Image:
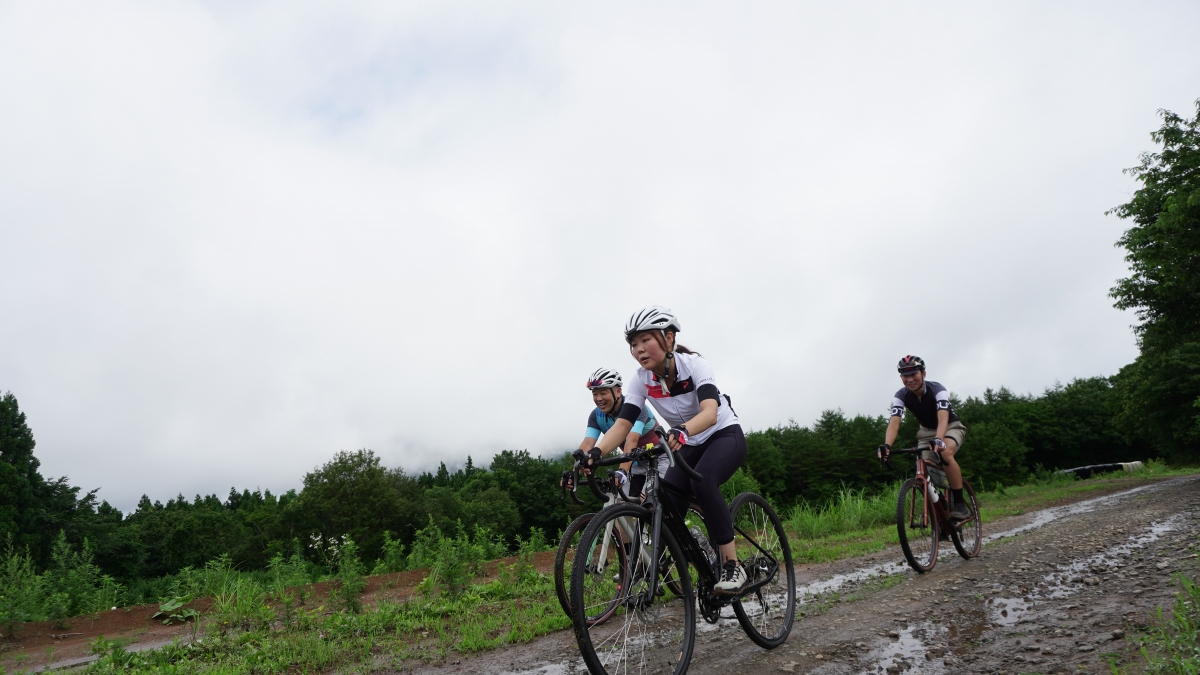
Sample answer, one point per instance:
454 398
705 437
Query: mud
1055 591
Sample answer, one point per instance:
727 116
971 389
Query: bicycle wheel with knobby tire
648 633
562 559
762 547
917 525
603 567
968 535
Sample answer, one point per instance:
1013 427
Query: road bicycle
923 513
617 532
649 630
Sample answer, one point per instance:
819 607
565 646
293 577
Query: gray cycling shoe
733 579
959 511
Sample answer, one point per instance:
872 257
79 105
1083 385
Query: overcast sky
237 237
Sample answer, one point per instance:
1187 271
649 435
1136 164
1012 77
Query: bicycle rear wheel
916 524
968 535
762 546
563 557
647 633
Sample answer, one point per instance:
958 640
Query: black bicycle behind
654 631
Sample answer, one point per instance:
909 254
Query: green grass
856 523
516 608
1173 645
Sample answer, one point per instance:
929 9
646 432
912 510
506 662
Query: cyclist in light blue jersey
605 385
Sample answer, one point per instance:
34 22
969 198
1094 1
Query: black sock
957 494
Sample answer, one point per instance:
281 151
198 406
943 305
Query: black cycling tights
716 459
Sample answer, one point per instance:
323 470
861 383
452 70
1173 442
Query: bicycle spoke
766 613
644 631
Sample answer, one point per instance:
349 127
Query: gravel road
1054 591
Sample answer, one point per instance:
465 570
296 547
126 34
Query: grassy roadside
253 635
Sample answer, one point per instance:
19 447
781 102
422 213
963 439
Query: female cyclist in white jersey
704 428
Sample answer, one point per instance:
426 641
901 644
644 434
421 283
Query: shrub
350 579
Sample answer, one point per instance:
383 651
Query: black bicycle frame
675 522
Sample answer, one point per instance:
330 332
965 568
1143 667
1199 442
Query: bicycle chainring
710 605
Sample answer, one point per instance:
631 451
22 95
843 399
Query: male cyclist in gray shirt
929 402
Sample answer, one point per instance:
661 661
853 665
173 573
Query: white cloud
237 238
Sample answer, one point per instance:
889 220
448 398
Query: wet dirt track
1057 596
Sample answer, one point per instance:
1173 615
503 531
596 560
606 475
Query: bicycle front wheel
648 632
762 546
968 534
564 556
917 525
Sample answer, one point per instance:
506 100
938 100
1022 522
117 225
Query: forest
1150 409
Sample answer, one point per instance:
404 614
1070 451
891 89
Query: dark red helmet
910 364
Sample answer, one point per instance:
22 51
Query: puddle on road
1007 611
908 651
1067 577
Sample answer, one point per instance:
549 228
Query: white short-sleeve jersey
682 402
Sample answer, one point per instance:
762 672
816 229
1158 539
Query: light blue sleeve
593 432
638 427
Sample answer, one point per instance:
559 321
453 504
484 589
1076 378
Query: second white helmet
654 317
604 378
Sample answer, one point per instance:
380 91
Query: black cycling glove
883 451
593 456
679 434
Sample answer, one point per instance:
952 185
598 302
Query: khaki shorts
954 430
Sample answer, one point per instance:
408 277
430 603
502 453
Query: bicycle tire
917 526
657 632
560 559
753 515
968 541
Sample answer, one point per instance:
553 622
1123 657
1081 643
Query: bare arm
587 443
893 431
706 418
620 429
631 442
943 422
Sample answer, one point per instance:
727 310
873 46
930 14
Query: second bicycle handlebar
654 449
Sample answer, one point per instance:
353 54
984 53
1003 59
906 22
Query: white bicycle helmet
654 317
604 378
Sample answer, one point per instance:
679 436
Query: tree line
1151 408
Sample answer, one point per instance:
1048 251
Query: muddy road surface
1054 591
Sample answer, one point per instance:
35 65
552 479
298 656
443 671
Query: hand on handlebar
677 437
941 445
882 452
593 456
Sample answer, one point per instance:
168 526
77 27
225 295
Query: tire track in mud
1053 592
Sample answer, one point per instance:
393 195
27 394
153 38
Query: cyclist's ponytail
684 350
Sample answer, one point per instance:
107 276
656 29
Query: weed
20 590
392 559
350 576
850 511
242 605
1172 646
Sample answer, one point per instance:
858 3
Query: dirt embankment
39 643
